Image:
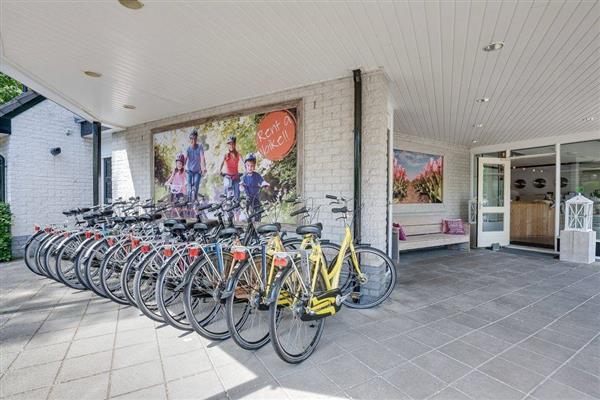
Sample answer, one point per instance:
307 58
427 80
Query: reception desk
532 222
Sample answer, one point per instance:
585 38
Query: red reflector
280 261
88 234
239 255
48 229
36 228
135 242
98 236
167 252
194 251
66 234
111 241
145 248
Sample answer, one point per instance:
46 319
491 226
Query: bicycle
307 289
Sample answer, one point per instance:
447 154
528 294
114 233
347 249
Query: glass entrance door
493 207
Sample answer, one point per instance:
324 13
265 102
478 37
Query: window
107 168
580 173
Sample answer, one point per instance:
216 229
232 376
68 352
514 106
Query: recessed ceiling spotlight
475 141
589 119
494 46
477 125
92 74
483 100
129 106
132 4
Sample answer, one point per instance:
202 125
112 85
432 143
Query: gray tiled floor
478 325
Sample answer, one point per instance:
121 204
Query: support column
96 160
357 153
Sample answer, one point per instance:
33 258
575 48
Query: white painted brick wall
40 186
328 156
456 178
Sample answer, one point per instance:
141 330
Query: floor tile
414 381
181 365
442 366
547 349
346 371
91 388
479 386
512 374
378 357
579 380
41 355
429 336
136 377
465 353
406 347
376 389
554 390
189 388
158 392
30 378
81 367
132 355
450 393
91 345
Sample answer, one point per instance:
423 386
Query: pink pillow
401 233
453 227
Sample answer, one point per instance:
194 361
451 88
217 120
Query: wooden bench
426 231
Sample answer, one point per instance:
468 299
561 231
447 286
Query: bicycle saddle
145 218
200 227
88 217
178 228
314 229
268 228
228 232
117 220
83 210
107 213
130 219
169 223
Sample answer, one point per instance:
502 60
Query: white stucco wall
456 179
326 159
39 185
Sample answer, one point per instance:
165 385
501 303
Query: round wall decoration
539 183
276 135
520 184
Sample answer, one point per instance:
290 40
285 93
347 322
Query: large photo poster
418 177
252 158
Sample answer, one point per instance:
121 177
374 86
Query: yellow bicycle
308 289
248 291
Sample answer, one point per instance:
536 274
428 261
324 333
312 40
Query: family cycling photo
228 158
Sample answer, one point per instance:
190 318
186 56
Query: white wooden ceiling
173 57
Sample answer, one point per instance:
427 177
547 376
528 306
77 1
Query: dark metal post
357 152
96 160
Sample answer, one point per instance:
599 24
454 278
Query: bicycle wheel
49 260
40 255
110 272
30 249
245 310
80 262
203 307
376 282
169 291
293 338
65 262
94 257
144 285
128 274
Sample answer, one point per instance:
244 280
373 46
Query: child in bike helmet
252 183
230 168
177 180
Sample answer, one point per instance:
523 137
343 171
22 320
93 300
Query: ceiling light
589 119
93 74
477 125
129 106
494 46
132 4
533 170
483 100
475 141
541 171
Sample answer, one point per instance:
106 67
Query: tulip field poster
418 177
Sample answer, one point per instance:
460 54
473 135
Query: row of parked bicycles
253 283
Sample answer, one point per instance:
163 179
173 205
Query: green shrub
5 236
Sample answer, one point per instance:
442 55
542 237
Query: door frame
486 239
